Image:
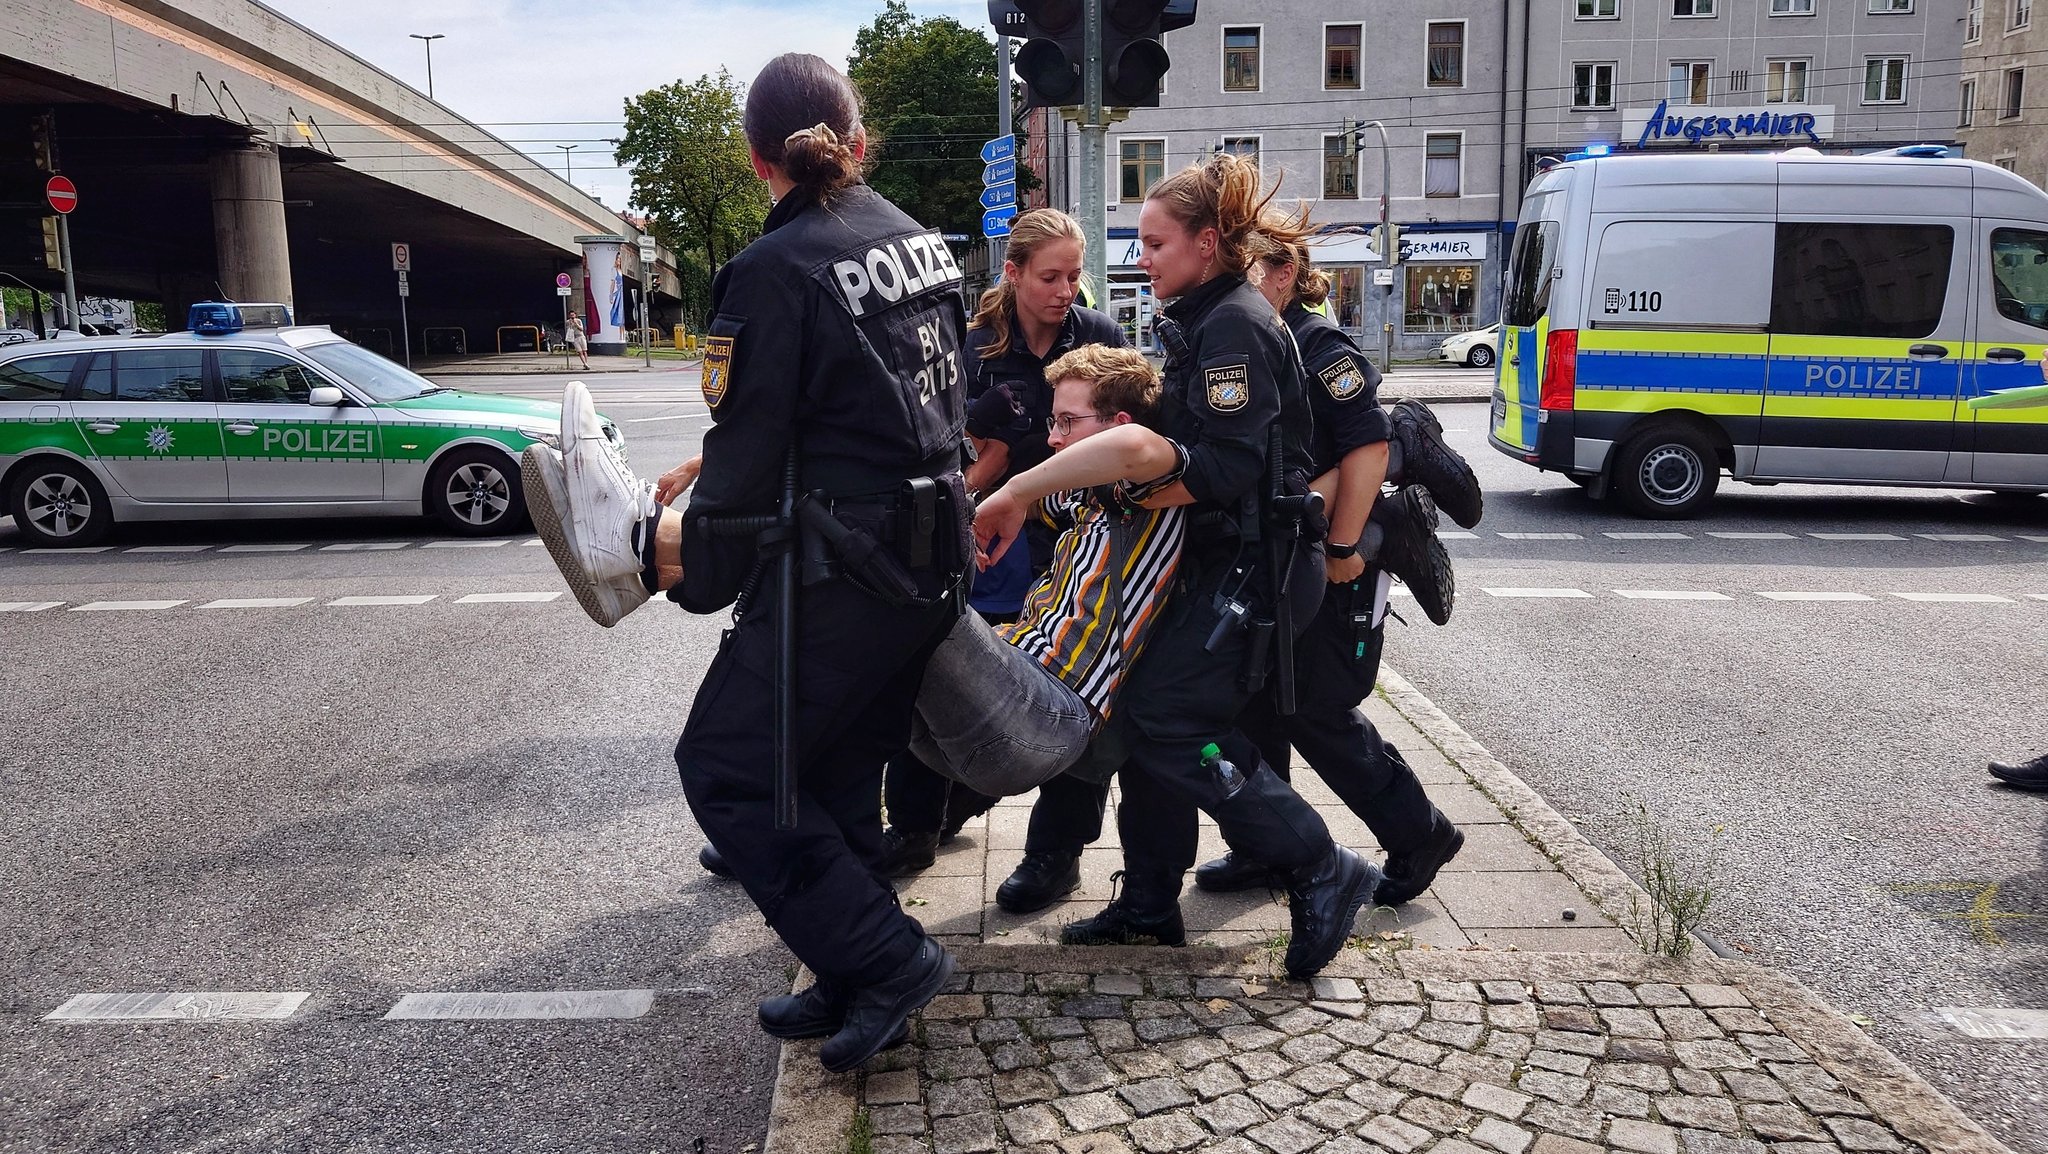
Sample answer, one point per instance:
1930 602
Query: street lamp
429 42
568 165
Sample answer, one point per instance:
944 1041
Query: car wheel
58 504
1480 357
1668 472
476 492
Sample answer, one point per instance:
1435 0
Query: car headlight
552 438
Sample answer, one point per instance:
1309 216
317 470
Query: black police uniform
1068 812
1338 657
839 331
1232 375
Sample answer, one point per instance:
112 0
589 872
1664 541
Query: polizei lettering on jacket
896 269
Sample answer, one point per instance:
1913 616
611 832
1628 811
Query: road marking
1643 536
1751 536
85 549
1674 595
27 606
538 1004
186 1005
532 543
465 544
1541 537
410 599
1960 536
2036 539
1856 536
677 417
1805 596
270 548
1536 592
503 598
256 603
167 549
1460 534
364 546
1995 1024
1958 598
2039 596
99 605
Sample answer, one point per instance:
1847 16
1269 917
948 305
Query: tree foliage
691 174
929 85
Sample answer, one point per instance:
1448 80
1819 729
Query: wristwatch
1340 552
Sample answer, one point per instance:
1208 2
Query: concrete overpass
222 150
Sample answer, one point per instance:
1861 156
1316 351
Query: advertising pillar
604 293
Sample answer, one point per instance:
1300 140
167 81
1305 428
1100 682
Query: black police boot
2025 775
1410 873
1322 905
877 1016
1427 461
1039 880
814 1012
905 852
713 862
1409 549
1147 914
1234 871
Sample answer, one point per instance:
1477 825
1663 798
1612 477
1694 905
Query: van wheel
476 492
1480 357
1669 473
59 505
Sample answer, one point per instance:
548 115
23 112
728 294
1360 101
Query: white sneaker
606 502
606 599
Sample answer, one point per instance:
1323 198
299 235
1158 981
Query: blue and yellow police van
1784 317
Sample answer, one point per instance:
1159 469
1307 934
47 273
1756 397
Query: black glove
994 413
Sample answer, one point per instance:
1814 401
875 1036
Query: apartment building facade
1475 95
2004 71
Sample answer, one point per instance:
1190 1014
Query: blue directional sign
996 221
1001 148
999 196
1002 171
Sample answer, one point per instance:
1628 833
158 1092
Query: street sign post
999 195
996 221
1001 148
401 257
562 283
999 172
63 197
401 263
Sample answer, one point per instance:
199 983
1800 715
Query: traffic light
1133 58
1052 61
43 135
1386 240
1053 54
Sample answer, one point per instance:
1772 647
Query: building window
1245 146
1592 86
1340 55
1599 9
2015 93
1141 164
1442 298
1791 7
1240 60
1966 113
1447 54
1689 81
1860 280
1340 167
1884 80
2022 15
1785 82
1692 7
2008 162
1443 162
1887 7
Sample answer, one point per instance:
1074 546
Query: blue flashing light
219 318
1590 151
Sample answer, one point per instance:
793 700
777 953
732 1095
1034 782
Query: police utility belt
901 547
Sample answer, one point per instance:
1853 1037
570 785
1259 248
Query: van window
1529 270
1860 280
2019 274
36 378
1656 273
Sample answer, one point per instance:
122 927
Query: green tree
929 85
691 174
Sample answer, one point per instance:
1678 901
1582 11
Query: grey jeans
993 719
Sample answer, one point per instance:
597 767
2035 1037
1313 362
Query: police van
245 416
1782 317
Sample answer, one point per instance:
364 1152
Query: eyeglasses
1064 425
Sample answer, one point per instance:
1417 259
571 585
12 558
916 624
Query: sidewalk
1481 1019
515 364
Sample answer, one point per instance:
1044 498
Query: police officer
1337 659
837 334
1232 375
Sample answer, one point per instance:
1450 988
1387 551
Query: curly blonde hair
1125 382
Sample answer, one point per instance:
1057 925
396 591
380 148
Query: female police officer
836 336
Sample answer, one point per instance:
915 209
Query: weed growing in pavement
860 1136
1271 954
1678 890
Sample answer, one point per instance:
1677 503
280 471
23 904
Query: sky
539 76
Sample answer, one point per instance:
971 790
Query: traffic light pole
1094 146
70 277
1386 242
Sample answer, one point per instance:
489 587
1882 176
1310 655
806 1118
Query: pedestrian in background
578 340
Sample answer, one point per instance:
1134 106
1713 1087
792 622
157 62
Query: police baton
1280 549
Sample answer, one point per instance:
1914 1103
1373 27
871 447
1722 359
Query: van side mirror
325 396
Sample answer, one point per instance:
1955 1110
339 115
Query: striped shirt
1086 619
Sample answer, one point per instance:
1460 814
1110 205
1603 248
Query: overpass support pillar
248 224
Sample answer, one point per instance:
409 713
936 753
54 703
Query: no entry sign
62 194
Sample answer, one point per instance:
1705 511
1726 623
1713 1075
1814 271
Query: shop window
1347 304
1442 298
1340 55
1860 280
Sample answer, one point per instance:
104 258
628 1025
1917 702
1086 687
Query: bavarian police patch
1229 387
717 368
1343 378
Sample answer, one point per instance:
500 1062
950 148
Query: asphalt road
474 792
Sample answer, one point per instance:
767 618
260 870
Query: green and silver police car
245 416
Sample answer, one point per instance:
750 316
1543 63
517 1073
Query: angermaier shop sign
1670 123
